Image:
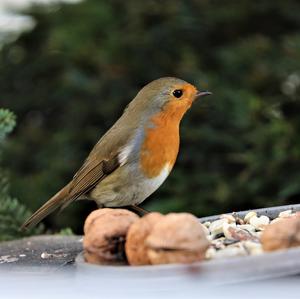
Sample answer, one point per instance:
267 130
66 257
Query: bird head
168 94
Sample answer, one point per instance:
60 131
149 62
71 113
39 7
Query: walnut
177 238
92 217
282 234
105 234
135 247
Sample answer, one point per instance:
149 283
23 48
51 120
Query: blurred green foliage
69 79
12 212
7 123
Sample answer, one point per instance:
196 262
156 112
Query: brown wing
90 174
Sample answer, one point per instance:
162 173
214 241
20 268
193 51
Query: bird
135 156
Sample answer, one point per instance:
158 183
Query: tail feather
58 200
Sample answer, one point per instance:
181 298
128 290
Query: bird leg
140 211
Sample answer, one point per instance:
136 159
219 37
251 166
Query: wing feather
91 174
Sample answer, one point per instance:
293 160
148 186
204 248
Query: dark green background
69 79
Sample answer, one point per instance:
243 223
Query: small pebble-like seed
218 243
44 255
235 233
253 247
248 227
216 227
231 251
210 253
239 221
230 218
259 222
230 242
285 214
249 215
8 259
227 231
4 257
206 223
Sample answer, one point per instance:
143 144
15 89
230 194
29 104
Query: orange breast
161 143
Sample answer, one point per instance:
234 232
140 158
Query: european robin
136 154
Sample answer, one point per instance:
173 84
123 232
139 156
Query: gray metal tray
217 272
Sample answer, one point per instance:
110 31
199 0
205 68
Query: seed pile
232 236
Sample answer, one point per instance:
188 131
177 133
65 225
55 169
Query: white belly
148 186
127 189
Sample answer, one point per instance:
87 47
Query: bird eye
177 93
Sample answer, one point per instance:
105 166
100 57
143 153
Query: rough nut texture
177 238
105 234
282 234
93 216
135 247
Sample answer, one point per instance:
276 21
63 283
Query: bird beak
202 94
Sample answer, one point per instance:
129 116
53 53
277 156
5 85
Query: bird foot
138 210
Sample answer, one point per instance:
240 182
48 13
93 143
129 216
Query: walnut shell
93 216
135 247
282 234
177 238
105 234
